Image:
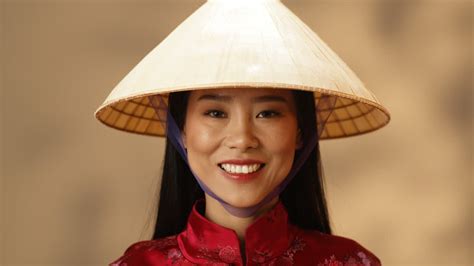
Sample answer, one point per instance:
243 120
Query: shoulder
337 250
150 252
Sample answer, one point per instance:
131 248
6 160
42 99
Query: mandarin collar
269 236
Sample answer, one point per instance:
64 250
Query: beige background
75 192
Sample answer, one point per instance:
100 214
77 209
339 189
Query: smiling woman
234 129
242 178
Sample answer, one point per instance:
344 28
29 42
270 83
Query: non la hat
243 44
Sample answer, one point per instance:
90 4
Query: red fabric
270 240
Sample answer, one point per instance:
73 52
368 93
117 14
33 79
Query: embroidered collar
269 236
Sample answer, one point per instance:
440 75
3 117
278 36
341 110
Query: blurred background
74 192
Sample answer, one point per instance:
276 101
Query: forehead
241 93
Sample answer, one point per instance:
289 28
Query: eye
215 114
268 114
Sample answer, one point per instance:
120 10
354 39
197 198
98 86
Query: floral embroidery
163 243
363 260
174 255
147 246
167 241
287 258
227 254
297 245
331 262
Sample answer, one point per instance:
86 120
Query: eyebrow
259 99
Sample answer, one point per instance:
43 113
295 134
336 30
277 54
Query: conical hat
243 44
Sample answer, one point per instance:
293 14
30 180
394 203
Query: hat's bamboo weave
242 44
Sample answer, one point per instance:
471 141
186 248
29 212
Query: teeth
240 169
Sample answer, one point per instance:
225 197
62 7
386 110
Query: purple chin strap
324 106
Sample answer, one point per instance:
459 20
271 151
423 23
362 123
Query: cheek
281 139
199 139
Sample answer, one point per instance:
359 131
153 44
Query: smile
240 169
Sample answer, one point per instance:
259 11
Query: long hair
303 198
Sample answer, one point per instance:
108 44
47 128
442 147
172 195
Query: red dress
269 240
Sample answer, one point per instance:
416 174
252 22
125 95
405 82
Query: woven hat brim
351 116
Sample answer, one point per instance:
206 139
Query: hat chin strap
174 135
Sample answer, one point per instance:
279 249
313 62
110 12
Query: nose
240 134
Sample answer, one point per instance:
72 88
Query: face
241 142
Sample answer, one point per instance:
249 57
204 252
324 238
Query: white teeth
239 169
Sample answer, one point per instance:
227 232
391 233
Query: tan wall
75 192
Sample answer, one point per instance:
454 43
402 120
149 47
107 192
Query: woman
257 129
242 176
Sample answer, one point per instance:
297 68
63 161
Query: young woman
242 143
242 177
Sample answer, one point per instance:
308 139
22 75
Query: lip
242 161
241 177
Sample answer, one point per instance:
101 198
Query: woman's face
241 142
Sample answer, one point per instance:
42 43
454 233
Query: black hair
303 198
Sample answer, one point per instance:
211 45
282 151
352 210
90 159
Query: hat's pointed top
242 43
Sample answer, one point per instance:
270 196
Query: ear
299 140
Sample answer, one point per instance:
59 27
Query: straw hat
243 44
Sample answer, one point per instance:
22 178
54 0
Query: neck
216 213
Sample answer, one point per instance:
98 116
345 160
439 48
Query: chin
242 201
